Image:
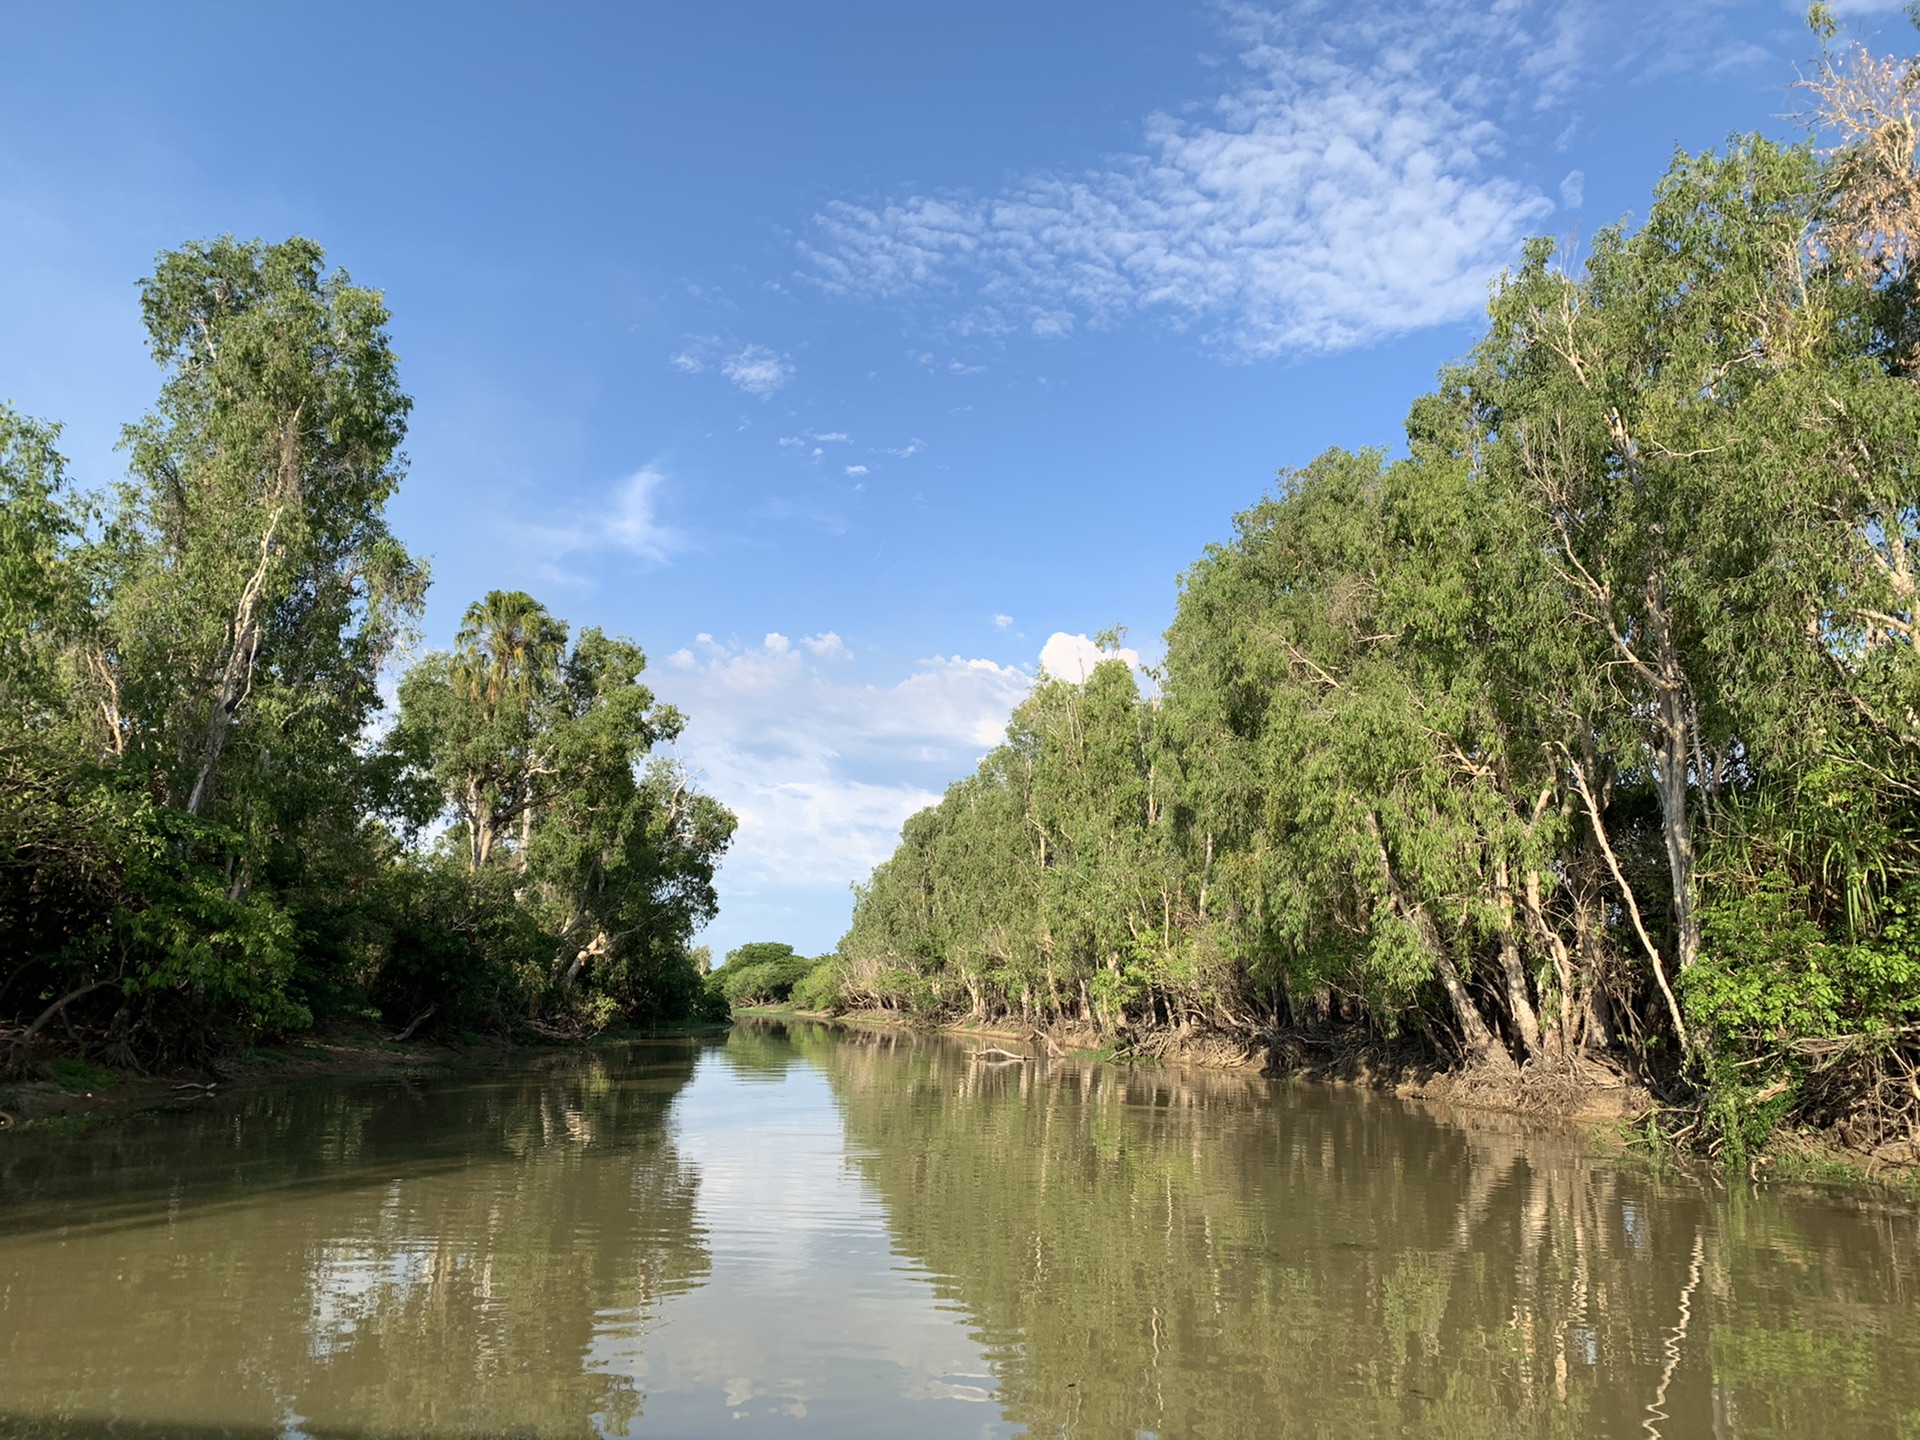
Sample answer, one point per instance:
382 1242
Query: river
805 1232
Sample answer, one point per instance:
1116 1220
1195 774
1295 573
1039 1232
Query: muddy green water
797 1233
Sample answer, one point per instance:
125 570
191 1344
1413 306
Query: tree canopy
1582 730
208 832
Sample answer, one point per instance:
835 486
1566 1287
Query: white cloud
911 448
1072 657
1343 189
1573 189
828 646
839 436
758 370
821 768
1002 622
631 522
626 520
856 469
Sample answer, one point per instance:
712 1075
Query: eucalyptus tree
43 585
542 754
204 648
254 586
1365 801
65 837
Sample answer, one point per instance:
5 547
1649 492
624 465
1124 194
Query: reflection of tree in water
466 1259
1190 1254
765 1049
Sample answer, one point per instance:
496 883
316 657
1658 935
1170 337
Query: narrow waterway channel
806 1232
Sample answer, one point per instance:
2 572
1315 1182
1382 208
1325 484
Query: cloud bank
821 768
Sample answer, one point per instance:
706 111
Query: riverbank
71 1095
68 1093
1611 1109
1579 1090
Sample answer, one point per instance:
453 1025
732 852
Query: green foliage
1588 725
584 867
823 988
1768 973
763 973
198 844
43 588
72 1074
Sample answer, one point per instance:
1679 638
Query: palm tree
507 645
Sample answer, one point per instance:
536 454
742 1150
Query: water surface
807 1233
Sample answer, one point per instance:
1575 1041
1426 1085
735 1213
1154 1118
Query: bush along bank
1580 741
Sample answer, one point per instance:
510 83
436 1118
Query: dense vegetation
767 972
206 833
1585 730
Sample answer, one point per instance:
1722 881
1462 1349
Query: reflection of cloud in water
808 1312
351 1281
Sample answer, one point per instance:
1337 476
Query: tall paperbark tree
255 586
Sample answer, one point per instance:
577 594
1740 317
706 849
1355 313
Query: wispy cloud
1346 186
627 520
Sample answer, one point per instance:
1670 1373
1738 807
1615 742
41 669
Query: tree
1585 730
541 753
253 586
43 588
761 973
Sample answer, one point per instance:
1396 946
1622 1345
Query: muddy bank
1582 1097
1578 1089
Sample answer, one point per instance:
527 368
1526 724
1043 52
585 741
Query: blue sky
848 356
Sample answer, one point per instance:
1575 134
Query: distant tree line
770 973
1588 729
207 831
